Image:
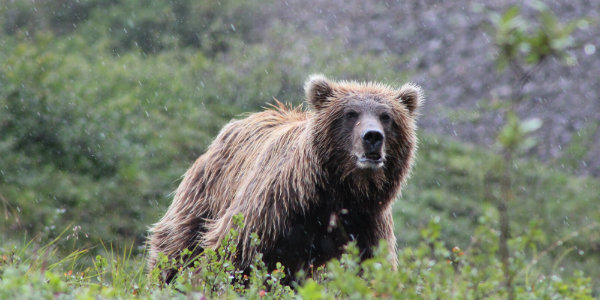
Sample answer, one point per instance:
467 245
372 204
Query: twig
557 244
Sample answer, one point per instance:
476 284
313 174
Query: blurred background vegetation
104 104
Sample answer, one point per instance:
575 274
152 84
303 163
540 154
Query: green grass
429 270
448 185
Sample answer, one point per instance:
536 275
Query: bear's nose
373 139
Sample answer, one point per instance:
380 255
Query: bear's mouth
372 160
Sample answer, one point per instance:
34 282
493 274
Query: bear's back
248 153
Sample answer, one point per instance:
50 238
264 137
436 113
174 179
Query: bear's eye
384 117
351 115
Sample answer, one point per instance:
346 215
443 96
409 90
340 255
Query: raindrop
589 49
232 27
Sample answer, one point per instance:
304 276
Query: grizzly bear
306 181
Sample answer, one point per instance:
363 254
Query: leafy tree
524 47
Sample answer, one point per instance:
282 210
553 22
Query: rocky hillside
447 46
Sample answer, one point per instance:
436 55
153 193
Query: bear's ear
411 96
318 89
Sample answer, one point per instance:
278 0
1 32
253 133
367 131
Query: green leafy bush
430 270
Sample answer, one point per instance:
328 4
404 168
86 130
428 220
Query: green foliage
151 26
81 135
429 270
524 50
527 43
514 134
579 147
447 186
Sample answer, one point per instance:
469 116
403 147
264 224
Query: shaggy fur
290 174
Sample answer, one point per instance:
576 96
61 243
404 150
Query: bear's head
363 128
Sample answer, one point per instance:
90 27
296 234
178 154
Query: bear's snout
369 143
372 142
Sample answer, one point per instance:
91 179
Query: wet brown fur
287 172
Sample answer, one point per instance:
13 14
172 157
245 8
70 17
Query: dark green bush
429 270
